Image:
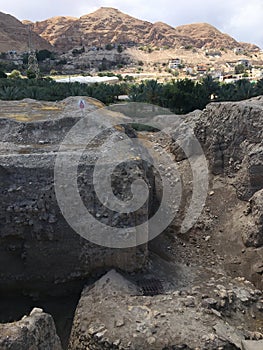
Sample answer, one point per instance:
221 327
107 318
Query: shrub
240 68
109 47
31 75
53 72
15 74
120 48
44 54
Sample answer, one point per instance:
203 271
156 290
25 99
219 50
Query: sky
242 19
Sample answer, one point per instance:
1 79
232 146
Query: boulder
35 332
252 344
231 134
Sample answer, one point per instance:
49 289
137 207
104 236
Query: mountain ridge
108 25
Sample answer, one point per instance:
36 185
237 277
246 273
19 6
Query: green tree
136 93
211 87
25 58
227 92
44 54
259 87
10 93
152 91
30 74
240 69
244 90
109 47
120 48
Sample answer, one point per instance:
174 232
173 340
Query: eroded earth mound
196 290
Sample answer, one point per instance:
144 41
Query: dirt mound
206 316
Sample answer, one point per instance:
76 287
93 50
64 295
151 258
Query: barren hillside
205 35
52 28
109 25
14 35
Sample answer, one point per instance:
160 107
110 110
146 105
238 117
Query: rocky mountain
205 35
52 28
109 25
14 35
101 27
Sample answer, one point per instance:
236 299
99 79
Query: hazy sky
242 19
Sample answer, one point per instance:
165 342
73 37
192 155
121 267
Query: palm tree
152 91
10 93
227 92
244 89
259 88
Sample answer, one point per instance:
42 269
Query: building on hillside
216 74
246 63
227 78
231 64
257 73
189 70
175 63
238 50
201 68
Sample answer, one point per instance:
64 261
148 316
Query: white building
245 63
174 63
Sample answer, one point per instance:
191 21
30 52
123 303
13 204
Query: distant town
137 63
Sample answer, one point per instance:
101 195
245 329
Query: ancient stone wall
231 134
38 246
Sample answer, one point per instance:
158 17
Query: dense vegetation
180 96
183 96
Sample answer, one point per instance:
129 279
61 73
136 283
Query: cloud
246 22
239 18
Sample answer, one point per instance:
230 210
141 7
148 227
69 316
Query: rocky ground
197 285
216 313
201 289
